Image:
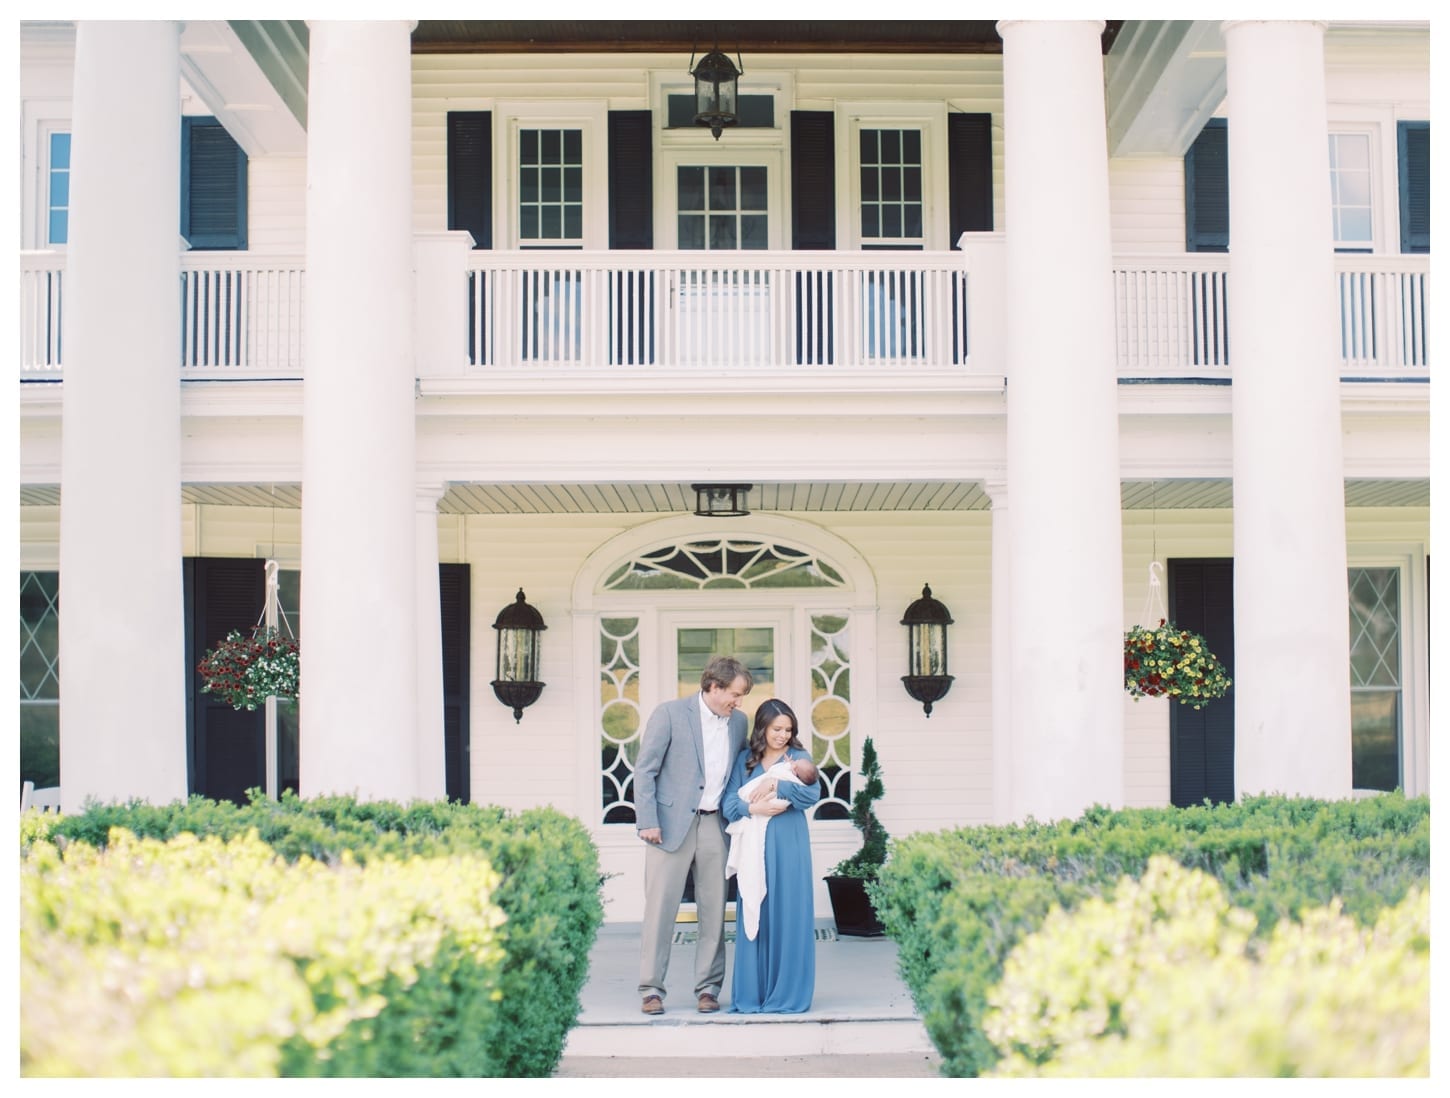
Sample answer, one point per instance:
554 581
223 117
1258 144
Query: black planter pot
855 917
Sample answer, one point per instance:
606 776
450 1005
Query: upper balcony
677 314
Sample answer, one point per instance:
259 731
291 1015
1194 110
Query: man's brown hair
722 671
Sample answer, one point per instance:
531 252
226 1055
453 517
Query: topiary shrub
549 888
1167 980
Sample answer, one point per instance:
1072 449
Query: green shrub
957 901
549 887
1166 980
205 957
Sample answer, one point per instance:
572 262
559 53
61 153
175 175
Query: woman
775 972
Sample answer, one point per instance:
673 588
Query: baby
746 861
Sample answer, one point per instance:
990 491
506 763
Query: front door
1201 741
751 639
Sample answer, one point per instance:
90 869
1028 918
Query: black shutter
226 747
1201 741
1205 189
813 180
453 603
1414 156
470 174
213 186
631 180
969 170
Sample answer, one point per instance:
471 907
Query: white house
1013 310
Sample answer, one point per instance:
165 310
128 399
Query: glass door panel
754 646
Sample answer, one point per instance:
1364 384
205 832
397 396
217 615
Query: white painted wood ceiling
825 496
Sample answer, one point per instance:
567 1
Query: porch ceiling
668 497
746 35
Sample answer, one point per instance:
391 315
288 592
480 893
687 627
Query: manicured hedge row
1167 980
549 888
205 957
957 902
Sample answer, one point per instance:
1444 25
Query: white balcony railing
242 313
698 310
1173 310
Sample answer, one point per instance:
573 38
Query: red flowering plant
1174 663
246 671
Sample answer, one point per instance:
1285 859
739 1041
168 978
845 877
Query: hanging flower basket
1174 663
246 671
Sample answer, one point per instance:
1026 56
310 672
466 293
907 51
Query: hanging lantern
721 500
517 682
716 85
926 622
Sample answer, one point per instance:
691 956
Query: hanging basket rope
245 671
1166 661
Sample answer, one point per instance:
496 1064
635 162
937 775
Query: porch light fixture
926 622
716 83
517 684
721 500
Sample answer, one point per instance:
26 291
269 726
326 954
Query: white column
1291 617
122 661
1066 605
1001 655
359 660
432 768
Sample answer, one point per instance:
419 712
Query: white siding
1146 200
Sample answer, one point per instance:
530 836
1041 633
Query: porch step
685 1033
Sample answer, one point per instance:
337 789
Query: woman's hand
764 793
770 807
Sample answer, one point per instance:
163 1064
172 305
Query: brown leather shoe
652 1004
708 1004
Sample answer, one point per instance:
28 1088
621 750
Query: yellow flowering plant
1174 663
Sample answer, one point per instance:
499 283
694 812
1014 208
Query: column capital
428 493
1233 24
1099 25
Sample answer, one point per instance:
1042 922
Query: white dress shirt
716 731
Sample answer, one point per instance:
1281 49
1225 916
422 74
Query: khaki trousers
664 886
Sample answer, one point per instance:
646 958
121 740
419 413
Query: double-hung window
1351 191
57 189
892 198
551 187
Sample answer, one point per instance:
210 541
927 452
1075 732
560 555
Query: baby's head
804 769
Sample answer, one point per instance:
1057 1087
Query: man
684 760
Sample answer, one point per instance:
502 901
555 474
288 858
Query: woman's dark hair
764 718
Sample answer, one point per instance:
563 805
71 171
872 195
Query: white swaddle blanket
746 860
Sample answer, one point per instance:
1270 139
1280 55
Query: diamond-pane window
39 636
1374 669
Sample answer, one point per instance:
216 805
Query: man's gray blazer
669 774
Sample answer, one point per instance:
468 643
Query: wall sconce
926 622
517 684
716 83
721 500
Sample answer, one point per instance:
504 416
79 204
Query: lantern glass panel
928 649
518 655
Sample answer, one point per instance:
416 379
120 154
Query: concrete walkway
862 1023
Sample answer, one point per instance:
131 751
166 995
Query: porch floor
862 1023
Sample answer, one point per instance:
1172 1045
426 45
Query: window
754 111
58 189
722 207
551 188
891 188
1350 192
39 678
1376 684
213 186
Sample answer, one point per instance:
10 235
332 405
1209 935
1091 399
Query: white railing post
984 261
440 296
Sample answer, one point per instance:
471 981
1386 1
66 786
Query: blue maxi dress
776 973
